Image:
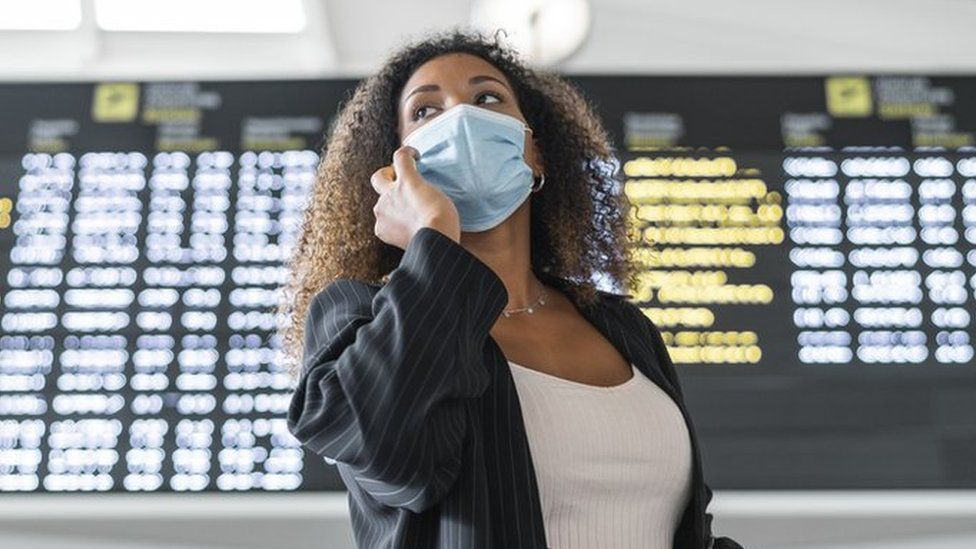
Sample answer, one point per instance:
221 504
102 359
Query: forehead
450 66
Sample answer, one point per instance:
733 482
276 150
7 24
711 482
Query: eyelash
414 116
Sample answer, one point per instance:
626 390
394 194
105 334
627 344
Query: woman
483 393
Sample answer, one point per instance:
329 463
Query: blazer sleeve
385 373
661 349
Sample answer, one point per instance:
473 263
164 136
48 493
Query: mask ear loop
542 181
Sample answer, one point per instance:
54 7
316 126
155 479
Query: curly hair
336 238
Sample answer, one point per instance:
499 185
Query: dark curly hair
579 225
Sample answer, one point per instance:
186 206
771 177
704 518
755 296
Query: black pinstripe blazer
403 387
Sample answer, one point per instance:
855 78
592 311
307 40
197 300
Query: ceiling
351 37
714 36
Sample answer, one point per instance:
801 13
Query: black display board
809 258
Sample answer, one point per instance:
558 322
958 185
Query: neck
506 248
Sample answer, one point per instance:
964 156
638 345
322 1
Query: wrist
445 226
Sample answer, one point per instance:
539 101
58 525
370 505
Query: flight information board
809 255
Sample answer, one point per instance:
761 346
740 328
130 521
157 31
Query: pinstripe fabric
405 390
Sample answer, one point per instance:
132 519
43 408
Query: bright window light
40 14
272 16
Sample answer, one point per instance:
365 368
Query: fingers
404 160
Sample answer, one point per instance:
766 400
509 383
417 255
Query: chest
630 438
568 348
521 465
619 455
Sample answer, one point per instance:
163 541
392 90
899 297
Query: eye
417 110
492 94
415 115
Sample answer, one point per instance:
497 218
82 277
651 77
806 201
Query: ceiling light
544 31
40 14
245 16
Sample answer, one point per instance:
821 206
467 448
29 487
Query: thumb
404 161
382 179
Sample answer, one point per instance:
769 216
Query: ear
535 159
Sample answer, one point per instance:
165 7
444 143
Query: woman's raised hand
407 202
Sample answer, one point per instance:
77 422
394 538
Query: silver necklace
531 308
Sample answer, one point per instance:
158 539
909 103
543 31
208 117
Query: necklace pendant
531 309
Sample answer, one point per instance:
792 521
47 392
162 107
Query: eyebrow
435 87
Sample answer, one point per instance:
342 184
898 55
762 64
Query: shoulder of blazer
363 287
358 288
652 331
614 295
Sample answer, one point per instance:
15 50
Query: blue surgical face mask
475 156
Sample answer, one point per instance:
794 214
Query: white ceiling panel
351 37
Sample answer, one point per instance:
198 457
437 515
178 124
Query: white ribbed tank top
613 464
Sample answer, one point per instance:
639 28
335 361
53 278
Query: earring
541 183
